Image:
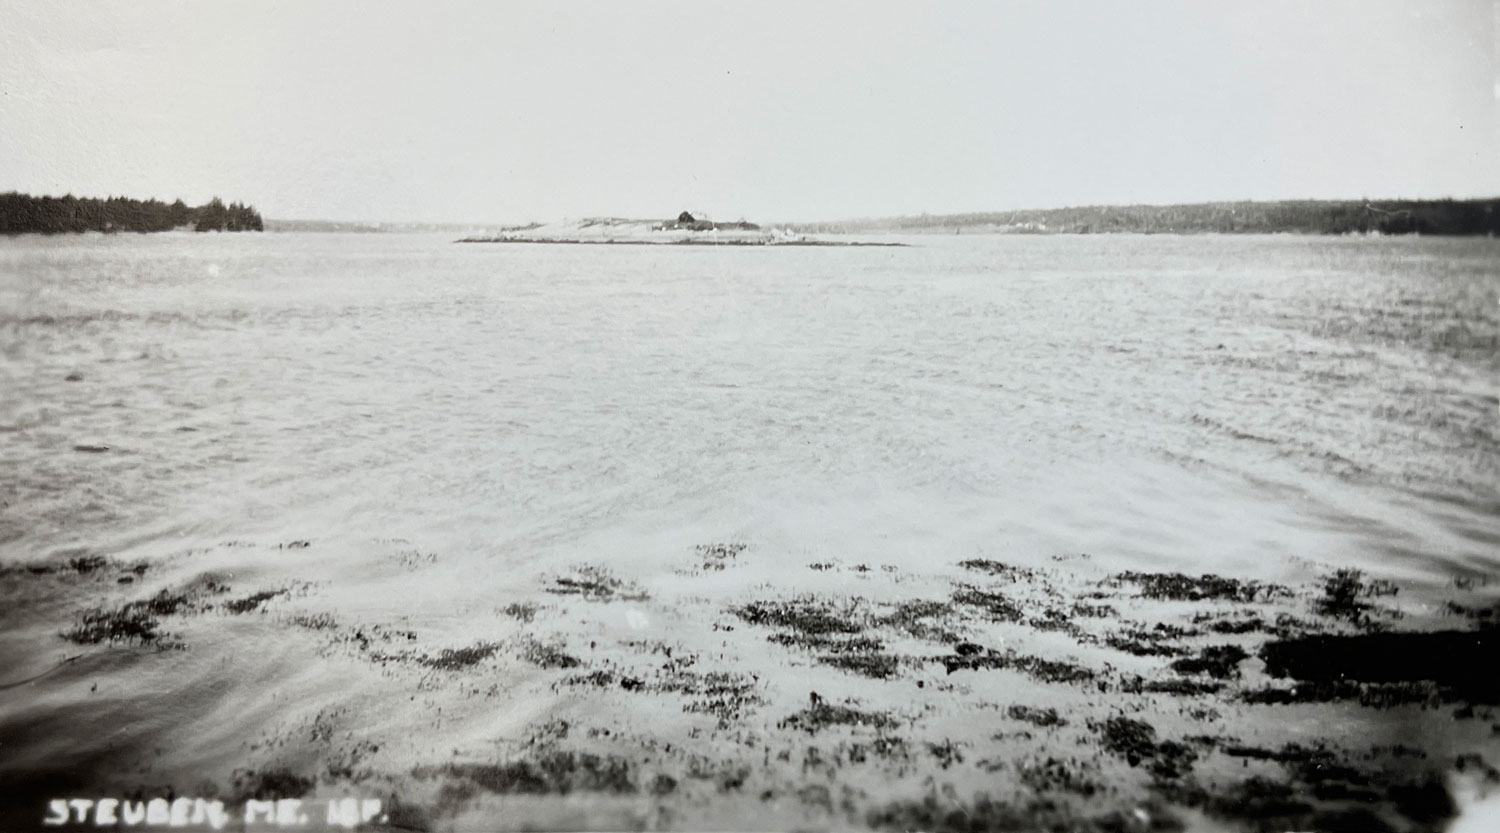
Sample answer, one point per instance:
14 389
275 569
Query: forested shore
1442 217
24 213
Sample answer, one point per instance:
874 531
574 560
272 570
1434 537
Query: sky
513 112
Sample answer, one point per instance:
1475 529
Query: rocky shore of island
685 230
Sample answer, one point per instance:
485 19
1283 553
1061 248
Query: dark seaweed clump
525 612
1054 619
1043 717
946 753
269 785
1284 626
719 694
595 584
1094 611
321 621
548 655
996 607
252 602
1235 626
833 643
137 621
1218 661
725 696
1319 774
727 775
946 816
601 678
836 629
1147 643
1135 741
717 556
1183 588
1344 597
1175 686
806 615
874 665
1059 775
913 618
968 655
835 632
996 568
85 564
820 715
549 773
942 814
458 659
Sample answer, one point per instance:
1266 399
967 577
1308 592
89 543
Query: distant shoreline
1454 218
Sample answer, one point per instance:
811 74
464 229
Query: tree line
1443 217
24 213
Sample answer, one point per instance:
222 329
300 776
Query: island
27 214
685 230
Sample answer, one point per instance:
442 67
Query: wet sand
978 695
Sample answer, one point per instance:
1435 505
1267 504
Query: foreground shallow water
617 538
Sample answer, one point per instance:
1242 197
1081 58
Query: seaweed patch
252 602
821 715
552 772
1183 588
807 615
595 584
1218 661
718 556
973 657
457 659
1346 594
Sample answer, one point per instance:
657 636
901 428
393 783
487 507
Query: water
445 424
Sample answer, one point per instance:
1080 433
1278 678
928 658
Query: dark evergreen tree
212 217
180 214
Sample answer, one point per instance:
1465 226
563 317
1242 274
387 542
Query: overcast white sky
763 110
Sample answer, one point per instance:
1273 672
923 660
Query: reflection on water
448 425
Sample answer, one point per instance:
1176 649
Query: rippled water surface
442 424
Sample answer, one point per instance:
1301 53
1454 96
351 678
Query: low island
686 230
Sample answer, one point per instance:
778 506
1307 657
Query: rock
685 217
75 376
